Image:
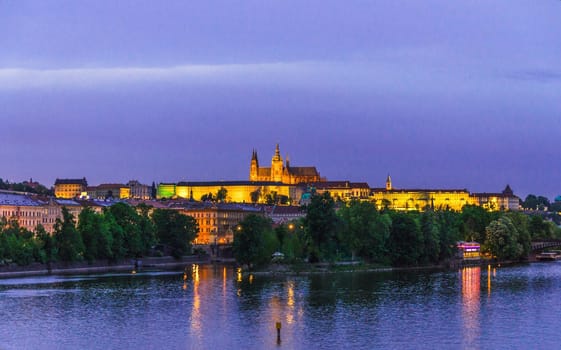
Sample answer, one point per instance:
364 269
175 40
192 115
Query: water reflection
200 308
471 290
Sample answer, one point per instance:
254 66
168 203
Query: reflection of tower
388 183
254 167
276 166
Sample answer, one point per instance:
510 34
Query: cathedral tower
276 166
254 167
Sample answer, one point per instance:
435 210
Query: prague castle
284 173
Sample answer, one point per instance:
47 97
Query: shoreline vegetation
331 236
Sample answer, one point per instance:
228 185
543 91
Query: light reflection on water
211 307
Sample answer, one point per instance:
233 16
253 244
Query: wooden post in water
278 325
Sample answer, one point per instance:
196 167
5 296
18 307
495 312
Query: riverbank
328 268
102 266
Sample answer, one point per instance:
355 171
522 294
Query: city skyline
438 95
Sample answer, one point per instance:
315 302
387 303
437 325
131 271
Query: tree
255 195
221 195
431 237
175 230
320 224
363 230
207 197
502 239
68 240
128 219
406 240
449 223
96 235
475 219
146 226
534 202
252 241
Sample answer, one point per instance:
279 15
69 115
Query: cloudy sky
437 93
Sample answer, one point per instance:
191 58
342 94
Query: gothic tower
254 167
276 166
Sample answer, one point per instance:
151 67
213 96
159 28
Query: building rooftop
18 200
71 182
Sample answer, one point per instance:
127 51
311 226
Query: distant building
505 200
138 190
236 191
30 211
283 173
217 221
342 190
27 211
452 199
282 214
109 191
70 188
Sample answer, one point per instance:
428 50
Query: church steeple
276 166
277 155
389 183
254 167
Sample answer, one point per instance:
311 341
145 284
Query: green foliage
534 202
175 230
503 239
406 240
363 231
221 195
475 219
321 224
430 229
68 240
254 242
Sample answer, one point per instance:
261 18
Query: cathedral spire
389 183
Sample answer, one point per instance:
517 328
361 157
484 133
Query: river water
214 307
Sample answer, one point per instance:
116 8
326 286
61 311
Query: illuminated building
216 221
106 191
505 200
469 250
342 190
236 191
440 199
25 210
70 188
30 211
138 190
279 172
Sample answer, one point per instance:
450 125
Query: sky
436 93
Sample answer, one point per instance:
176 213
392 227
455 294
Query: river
214 307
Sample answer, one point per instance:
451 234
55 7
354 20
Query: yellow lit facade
445 199
217 222
282 172
236 191
70 188
103 191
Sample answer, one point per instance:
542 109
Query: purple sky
438 93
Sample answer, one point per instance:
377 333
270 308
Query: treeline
359 231
25 186
120 231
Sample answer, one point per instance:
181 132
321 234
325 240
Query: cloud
536 75
21 78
